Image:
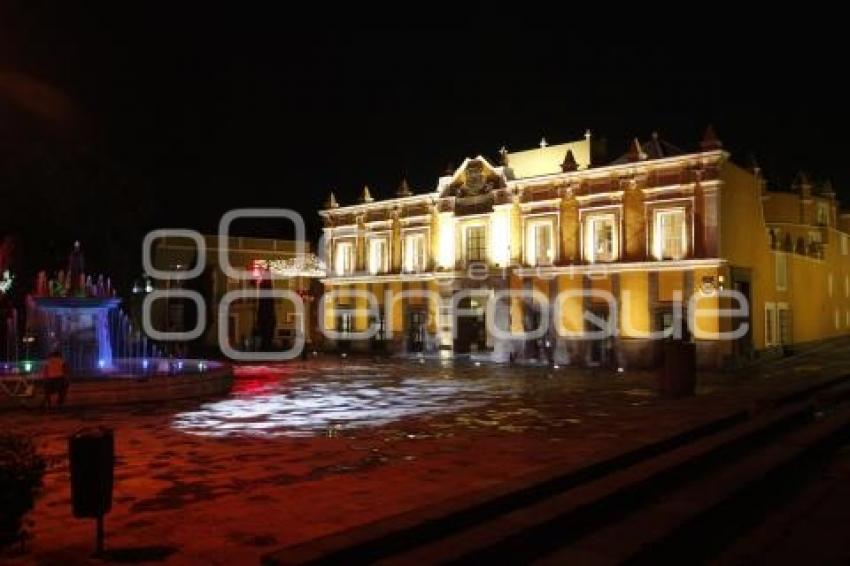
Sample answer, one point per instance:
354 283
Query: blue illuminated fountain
81 317
110 360
76 326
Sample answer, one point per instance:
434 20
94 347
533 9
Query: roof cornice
591 173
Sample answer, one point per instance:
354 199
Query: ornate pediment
476 177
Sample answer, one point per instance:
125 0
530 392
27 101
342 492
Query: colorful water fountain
109 359
74 314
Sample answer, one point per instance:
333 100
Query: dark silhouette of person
56 382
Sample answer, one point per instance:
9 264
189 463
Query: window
414 253
378 256
770 324
601 238
540 248
822 214
783 315
847 286
844 244
815 237
781 271
829 284
344 259
670 238
476 246
847 317
837 320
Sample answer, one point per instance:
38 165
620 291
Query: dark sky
191 111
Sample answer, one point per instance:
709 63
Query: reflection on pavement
292 401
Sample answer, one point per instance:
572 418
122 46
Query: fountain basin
129 381
77 326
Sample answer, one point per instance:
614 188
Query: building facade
531 257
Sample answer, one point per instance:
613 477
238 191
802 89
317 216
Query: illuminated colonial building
610 244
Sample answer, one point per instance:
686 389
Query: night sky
114 121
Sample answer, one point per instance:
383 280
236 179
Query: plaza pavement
183 497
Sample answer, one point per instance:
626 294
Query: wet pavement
306 449
327 398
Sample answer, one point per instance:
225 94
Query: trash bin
677 376
92 459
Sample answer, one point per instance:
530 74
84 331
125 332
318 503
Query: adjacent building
271 260
637 245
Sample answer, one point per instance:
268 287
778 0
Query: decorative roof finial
366 197
569 163
710 141
636 152
331 201
503 155
543 143
404 189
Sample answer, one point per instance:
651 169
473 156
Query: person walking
55 376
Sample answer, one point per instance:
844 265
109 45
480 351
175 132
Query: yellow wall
745 242
634 304
671 285
706 326
569 230
572 308
516 305
397 320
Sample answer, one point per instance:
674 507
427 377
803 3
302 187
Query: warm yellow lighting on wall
446 251
500 237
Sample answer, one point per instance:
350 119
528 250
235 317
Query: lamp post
257 272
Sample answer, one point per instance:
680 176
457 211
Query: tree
21 473
266 317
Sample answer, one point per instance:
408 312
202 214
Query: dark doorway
673 325
743 346
416 324
379 323
471 330
531 319
344 326
601 349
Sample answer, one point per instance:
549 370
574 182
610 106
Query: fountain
109 359
72 314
